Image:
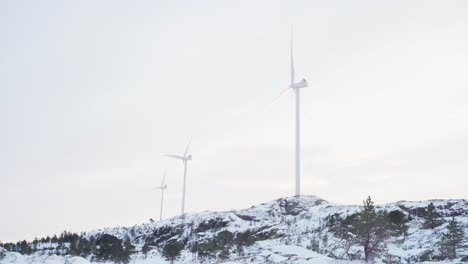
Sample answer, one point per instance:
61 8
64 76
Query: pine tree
2 253
128 249
368 229
110 248
452 239
172 250
242 240
314 245
432 218
81 247
324 243
24 248
364 227
73 249
8 246
145 249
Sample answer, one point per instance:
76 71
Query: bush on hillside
172 250
111 248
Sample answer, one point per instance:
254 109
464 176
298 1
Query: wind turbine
184 159
162 188
296 87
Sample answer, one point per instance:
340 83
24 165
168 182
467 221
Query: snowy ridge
282 229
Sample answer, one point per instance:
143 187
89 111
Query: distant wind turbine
296 86
162 188
184 159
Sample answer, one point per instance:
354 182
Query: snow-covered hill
286 230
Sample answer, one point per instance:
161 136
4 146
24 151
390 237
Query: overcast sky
92 93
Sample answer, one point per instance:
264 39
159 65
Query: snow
293 221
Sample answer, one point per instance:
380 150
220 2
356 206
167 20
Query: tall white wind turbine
185 158
296 87
162 188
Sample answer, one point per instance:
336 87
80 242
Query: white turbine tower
185 158
162 188
295 86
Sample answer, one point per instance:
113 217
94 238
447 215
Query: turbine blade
292 59
187 148
174 156
283 93
164 177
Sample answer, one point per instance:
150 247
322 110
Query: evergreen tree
81 247
324 244
314 245
110 248
87 247
397 221
224 254
172 250
368 228
224 239
24 248
299 240
145 249
8 246
2 252
128 249
452 239
244 239
73 250
432 219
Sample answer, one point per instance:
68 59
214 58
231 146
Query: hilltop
302 229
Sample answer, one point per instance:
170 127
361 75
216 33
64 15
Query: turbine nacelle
163 183
302 84
184 157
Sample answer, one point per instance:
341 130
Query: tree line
100 248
